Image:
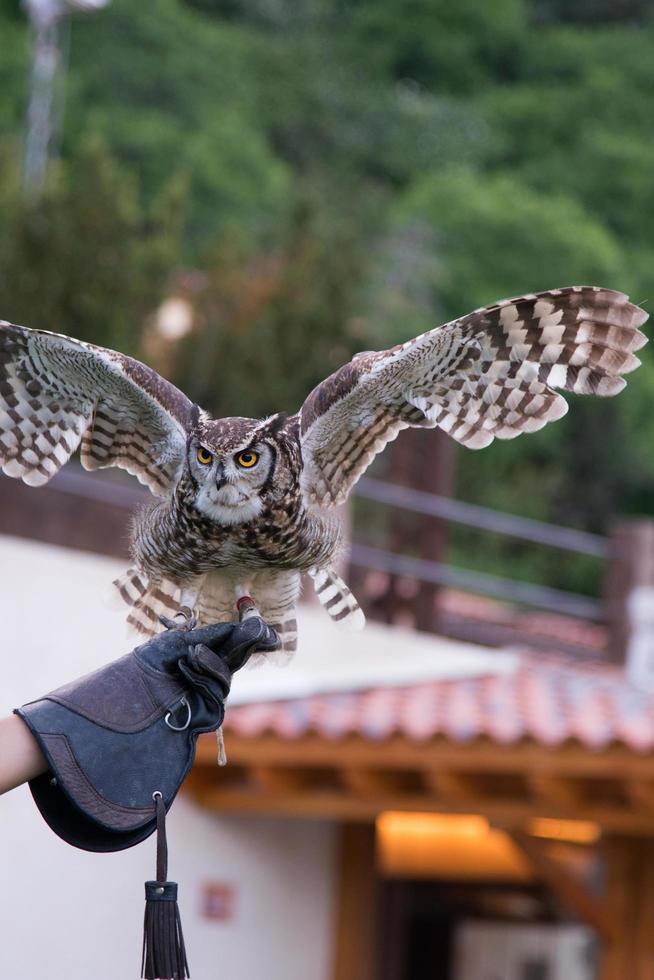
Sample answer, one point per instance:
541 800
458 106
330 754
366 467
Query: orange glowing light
571 831
447 846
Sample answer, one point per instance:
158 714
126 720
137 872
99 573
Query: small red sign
217 901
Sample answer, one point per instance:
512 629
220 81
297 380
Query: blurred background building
244 193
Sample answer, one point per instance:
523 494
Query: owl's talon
185 619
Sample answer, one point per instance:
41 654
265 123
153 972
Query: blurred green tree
335 175
271 324
168 90
88 259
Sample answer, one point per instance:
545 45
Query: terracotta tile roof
547 698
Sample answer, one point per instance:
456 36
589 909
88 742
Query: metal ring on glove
183 728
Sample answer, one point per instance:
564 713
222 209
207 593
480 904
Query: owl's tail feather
337 599
286 627
148 600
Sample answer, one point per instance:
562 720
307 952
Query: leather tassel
164 955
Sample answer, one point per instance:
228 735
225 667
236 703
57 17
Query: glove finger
257 631
269 640
202 658
248 636
235 641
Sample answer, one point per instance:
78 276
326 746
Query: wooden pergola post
422 459
629 897
355 956
631 565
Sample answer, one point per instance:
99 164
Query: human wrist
20 756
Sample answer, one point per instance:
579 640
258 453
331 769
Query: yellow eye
204 456
248 459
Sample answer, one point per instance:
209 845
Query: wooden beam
370 782
641 794
397 752
334 804
356 905
274 779
568 889
452 785
563 793
439 775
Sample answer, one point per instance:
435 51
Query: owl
244 506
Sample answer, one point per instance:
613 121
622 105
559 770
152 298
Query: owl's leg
184 618
187 603
245 604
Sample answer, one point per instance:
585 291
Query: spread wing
491 374
56 392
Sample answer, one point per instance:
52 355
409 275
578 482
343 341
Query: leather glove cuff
128 730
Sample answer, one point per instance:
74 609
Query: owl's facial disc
230 483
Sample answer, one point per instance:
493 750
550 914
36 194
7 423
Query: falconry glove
119 743
128 730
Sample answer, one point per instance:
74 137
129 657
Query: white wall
70 915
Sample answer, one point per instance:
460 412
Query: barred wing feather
491 374
56 392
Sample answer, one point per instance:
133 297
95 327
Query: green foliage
14 66
335 175
169 91
453 46
576 123
88 259
496 236
272 324
594 11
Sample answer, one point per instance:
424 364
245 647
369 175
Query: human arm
20 757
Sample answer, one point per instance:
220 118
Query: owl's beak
221 478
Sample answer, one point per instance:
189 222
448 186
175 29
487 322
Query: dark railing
437 573
484 519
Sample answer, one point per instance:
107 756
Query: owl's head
232 466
